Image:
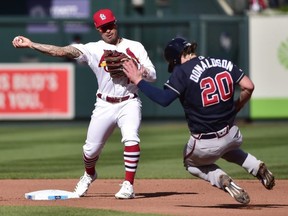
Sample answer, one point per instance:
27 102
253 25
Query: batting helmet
172 52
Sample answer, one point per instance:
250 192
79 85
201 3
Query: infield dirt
161 196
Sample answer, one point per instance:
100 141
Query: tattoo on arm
67 51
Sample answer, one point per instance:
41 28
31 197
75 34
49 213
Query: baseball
18 39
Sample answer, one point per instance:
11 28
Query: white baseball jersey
119 87
106 116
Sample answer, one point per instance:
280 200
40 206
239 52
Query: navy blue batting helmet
172 52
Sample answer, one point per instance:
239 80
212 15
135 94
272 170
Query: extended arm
66 51
247 88
163 97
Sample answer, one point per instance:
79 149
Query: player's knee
90 150
187 163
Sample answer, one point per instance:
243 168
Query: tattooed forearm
67 51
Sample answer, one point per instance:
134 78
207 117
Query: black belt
218 134
116 99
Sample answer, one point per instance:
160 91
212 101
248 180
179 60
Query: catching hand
132 71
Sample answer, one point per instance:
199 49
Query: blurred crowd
261 5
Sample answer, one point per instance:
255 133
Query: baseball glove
114 63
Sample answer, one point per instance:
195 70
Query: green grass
48 211
54 150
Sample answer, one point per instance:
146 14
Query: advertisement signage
36 91
58 9
268 38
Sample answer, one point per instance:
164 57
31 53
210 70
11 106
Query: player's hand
132 72
21 42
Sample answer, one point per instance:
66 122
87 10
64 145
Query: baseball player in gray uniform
117 102
205 88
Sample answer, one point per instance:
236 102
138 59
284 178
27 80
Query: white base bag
50 195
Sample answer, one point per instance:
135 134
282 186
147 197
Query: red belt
115 99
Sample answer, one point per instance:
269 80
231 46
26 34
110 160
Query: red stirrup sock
90 164
131 158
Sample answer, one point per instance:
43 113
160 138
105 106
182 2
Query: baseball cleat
126 191
84 183
239 194
266 177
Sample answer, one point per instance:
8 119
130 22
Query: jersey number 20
222 82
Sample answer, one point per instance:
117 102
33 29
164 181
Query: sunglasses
104 28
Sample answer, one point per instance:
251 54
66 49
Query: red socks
131 159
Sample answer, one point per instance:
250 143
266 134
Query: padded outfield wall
268 51
217 35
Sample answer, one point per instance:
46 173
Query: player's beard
111 37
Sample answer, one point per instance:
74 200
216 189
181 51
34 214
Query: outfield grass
54 150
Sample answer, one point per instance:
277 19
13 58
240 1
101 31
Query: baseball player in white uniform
117 102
